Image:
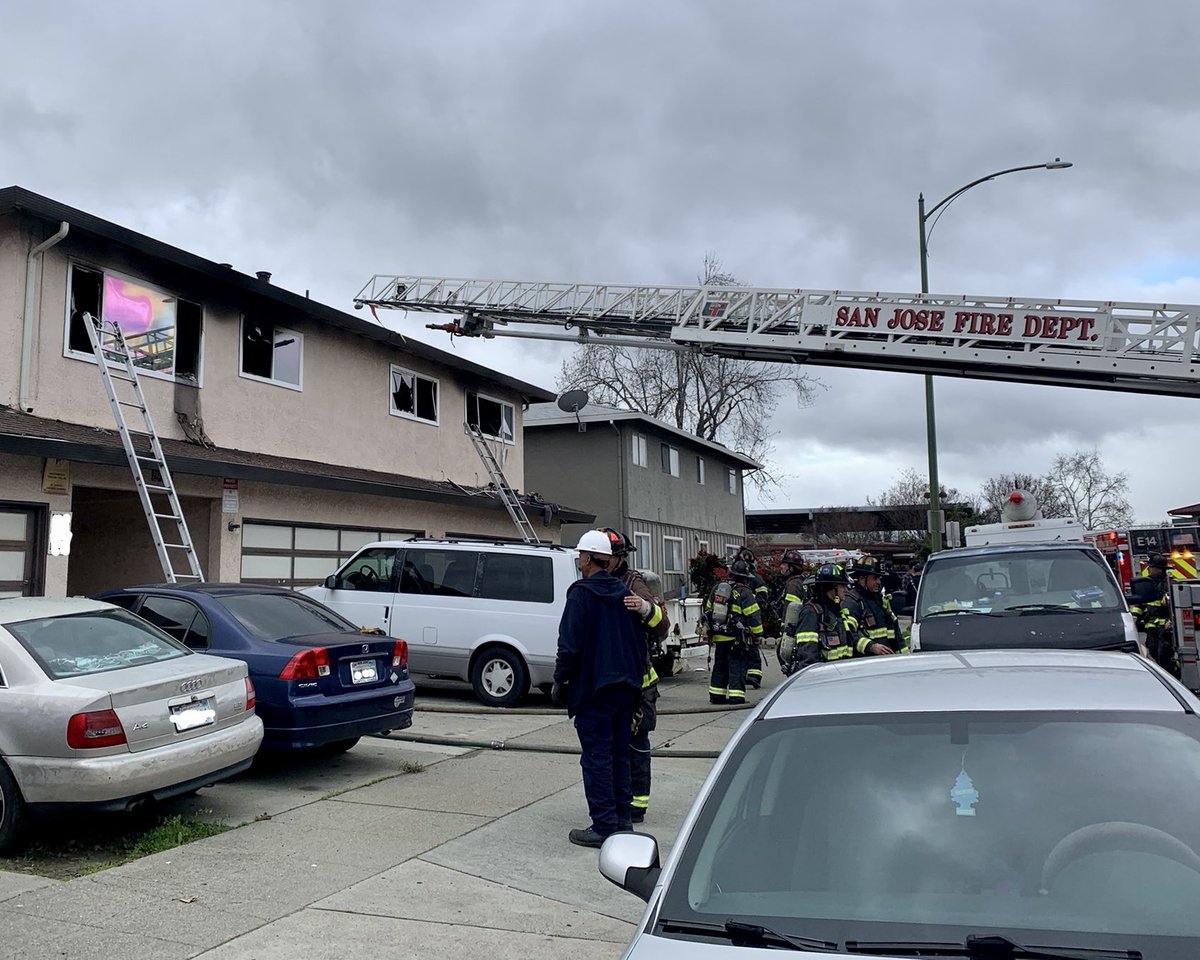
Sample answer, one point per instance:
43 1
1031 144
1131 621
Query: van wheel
12 810
499 677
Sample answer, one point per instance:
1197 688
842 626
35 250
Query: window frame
669 454
276 329
640 538
641 450
701 545
89 357
502 403
700 469
338 557
667 555
197 613
731 481
395 369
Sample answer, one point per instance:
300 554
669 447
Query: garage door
289 555
20 530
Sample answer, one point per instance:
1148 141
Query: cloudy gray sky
620 141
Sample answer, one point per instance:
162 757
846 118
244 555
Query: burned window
273 353
494 418
413 395
161 330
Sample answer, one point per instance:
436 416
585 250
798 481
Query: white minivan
483 611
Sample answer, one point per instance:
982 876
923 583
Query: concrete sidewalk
353 858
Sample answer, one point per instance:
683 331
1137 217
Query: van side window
514 576
371 570
441 573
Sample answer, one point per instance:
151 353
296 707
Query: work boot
716 701
736 701
755 682
587 837
639 816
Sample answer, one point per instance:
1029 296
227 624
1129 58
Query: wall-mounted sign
56 476
229 496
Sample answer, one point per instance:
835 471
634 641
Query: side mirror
331 582
630 860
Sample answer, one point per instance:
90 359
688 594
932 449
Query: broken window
413 395
161 330
494 418
272 353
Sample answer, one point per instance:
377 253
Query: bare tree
716 398
995 490
909 496
1095 497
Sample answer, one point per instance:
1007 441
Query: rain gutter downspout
27 318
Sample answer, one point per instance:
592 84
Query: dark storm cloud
620 141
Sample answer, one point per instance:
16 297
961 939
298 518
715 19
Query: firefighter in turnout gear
754 662
1151 609
871 609
820 629
651 613
734 622
791 565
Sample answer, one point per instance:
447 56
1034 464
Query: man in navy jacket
601 651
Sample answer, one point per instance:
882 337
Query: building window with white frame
701 546
731 480
641 544
699 469
413 396
495 419
670 460
161 329
272 354
641 456
672 554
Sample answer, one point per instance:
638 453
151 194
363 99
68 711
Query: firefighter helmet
741 570
1156 560
867 566
830 575
620 543
793 558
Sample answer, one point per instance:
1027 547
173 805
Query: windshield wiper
742 934
946 613
1051 608
992 947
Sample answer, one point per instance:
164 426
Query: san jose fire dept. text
1032 326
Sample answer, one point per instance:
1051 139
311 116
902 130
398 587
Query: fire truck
1128 550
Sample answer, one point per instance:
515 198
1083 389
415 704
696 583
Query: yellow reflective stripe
656 615
649 679
721 638
757 630
747 611
808 636
737 693
640 802
839 653
719 691
792 598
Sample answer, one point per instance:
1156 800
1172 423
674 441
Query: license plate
363 671
188 716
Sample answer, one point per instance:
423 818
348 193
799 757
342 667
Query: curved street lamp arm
974 183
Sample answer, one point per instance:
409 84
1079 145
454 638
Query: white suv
482 611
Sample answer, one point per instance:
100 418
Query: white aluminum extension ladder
173 544
511 501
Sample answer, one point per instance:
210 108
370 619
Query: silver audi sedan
984 804
98 708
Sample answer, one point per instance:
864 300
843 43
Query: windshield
1074 829
1010 582
94 642
276 616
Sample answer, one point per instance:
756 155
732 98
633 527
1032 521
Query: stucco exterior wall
340 416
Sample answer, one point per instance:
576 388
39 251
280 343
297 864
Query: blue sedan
320 680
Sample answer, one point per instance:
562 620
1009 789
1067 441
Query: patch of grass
412 766
63 849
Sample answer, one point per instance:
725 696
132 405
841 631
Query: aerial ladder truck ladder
143 450
1109 345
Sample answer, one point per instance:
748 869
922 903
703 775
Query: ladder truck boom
1111 345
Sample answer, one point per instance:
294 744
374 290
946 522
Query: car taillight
400 654
249 695
307 665
96 728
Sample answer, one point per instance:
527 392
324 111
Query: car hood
1083 630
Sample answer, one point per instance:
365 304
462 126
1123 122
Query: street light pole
935 494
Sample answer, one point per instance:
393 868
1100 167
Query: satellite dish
572 402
